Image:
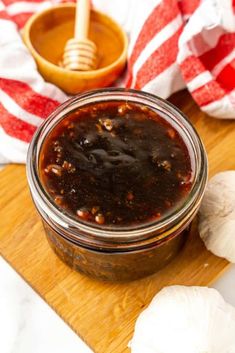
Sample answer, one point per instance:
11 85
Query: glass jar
118 253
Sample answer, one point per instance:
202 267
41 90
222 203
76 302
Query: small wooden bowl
46 33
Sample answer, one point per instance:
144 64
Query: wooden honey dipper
80 53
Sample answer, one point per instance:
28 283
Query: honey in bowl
46 33
50 38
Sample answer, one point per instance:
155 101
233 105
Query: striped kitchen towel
173 44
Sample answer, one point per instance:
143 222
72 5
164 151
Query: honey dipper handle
82 19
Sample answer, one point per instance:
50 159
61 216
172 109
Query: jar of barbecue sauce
117 177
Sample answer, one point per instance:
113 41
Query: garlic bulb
217 216
185 320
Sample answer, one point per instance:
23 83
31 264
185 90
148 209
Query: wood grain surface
104 314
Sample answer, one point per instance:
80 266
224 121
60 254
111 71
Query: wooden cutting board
104 314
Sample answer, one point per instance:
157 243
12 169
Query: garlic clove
185 320
217 215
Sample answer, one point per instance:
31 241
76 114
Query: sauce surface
116 163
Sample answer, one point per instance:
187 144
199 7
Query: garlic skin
217 216
185 320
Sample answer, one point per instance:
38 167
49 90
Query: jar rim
108 233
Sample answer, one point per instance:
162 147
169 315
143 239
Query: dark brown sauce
116 163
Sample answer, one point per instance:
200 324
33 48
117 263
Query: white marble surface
226 285
27 323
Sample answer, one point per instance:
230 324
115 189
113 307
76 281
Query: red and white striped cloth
173 44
